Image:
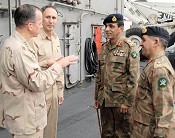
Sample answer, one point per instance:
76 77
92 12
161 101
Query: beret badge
144 30
114 19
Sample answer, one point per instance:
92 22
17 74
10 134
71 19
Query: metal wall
74 20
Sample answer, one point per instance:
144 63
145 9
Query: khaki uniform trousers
50 131
35 135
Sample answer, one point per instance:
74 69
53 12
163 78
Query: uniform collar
45 36
22 40
20 37
158 55
117 44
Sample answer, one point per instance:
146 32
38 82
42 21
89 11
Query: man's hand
52 61
66 61
96 105
123 108
60 100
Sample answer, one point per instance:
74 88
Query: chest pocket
143 89
42 51
102 61
43 54
118 64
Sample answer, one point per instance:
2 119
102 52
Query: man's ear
30 26
122 27
156 42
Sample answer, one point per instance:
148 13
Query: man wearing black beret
153 110
116 79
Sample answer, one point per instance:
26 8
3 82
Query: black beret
156 31
114 18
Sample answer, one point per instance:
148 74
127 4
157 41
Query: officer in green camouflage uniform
116 79
153 110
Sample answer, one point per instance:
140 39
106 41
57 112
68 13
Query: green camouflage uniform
153 111
116 84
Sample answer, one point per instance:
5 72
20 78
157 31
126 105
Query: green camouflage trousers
114 123
142 131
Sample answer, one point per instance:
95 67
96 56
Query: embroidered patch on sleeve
134 54
162 82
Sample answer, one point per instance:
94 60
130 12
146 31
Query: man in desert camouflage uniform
153 110
47 47
23 110
116 79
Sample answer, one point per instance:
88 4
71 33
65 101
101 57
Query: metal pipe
171 24
136 19
66 38
134 10
72 7
89 5
116 8
81 18
10 17
19 2
16 3
155 9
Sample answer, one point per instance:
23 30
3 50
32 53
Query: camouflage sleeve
98 75
43 64
133 66
98 79
97 85
162 87
29 72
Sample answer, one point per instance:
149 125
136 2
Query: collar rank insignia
162 82
119 43
114 19
134 54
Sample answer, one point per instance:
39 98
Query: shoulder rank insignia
162 82
129 42
114 19
134 54
158 64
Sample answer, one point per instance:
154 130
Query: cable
91 57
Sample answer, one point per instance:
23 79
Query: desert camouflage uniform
22 99
49 49
116 84
154 114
